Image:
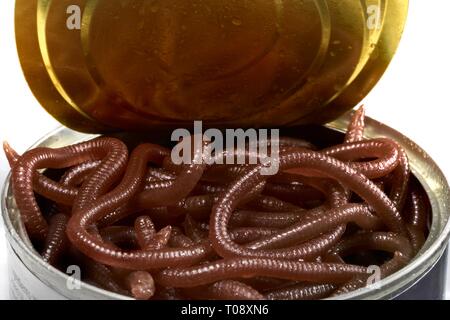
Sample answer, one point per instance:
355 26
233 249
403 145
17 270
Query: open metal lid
99 65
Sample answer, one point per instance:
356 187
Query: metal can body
423 278
432 285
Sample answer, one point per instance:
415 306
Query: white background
412 96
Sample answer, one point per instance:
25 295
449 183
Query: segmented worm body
143 226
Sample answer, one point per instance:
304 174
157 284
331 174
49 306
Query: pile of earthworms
139 225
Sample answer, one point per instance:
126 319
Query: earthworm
107 173
347 176
417 208
56 241
389 242
145 231
268 203
127 188
119 235
208 188
225 174
157 186
245 235
355 129
416 237
360 281
102 179
11 155
416 216
228 269
118 214
147 227
400 179
160 239
199 207
63 192
386 151
385 241
313 225
184 183
296 194
264 219
265 284
302 291
310 227
179 239
231 172
101 275
305 251
159 174
141 284
168 193
401 173
114 152
224 290
294 142
41 184
75 176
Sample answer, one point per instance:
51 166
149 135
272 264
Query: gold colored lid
98 65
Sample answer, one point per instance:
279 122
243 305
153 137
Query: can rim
389 287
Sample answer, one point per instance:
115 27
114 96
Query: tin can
423 278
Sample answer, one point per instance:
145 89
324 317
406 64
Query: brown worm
113 151
149 228
224 290
244 267
56 241
355 130
302 291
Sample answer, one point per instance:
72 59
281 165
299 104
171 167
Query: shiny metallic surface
425 272
135 64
